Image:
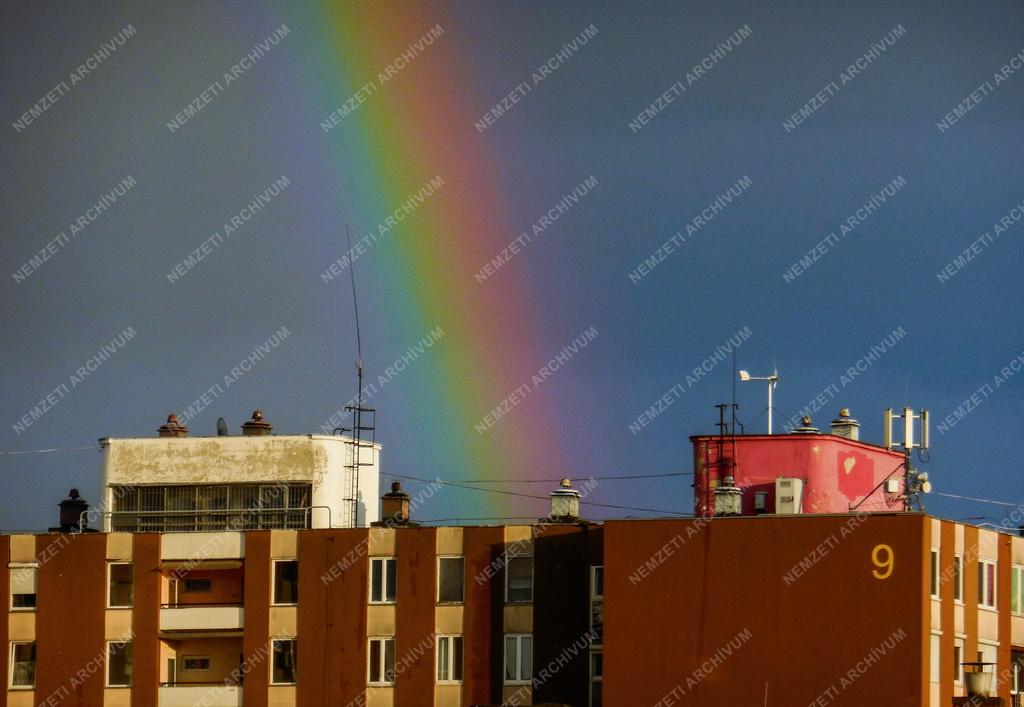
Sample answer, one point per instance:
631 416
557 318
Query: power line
979 500
571 478
43 451
542 498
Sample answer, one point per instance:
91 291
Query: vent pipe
172 428
257 426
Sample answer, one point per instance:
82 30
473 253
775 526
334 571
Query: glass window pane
526 662
389 660
957 579
1015 590
375 660
457 658
442 658
121 585
376 580
286 582
284 661
450 579
935 573
520 579
511 672
24 659
598 588
391 580
119 664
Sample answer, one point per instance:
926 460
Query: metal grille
195 508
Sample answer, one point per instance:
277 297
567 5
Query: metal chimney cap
566 483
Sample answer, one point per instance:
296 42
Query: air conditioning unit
789 493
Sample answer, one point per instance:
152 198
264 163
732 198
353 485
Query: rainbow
402 118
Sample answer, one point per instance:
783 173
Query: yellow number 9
884 560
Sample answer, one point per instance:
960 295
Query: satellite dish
222 427
926 487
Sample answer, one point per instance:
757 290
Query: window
192 663
958 578
958 659
285 652
1017 664
119 664
597 605
1017 589
120 585
451 580
935 573
449 659
286 581
987 583
198 586
382 580
23 588
23 665
382 661
519 580
934 654
596 679
518 659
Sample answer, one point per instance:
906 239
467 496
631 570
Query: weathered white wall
316 459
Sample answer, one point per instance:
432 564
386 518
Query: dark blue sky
804 183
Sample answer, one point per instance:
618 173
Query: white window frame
449 640
273 583
381 647
934 579
983 584
383 580
1019 570
958 578
508 578
35 582
110 566
106 664
449 602
295 670
185 658
519 680
10 672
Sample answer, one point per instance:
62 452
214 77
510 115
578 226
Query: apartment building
748 603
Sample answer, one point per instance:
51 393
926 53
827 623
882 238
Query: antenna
915 482
363 430
355 307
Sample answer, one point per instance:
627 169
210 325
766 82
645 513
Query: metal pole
771 384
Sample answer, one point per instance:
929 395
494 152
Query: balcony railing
192 521
209 695
202 617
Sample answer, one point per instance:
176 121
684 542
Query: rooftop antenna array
364 418
915 482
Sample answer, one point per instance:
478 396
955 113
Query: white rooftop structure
176 483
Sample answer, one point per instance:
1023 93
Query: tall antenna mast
363 428
355 307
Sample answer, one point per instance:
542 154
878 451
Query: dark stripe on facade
415 645
332 617
483 619
257 656
146 581
71 603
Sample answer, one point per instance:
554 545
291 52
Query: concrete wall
316 459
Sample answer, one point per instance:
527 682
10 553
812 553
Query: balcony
202 617
211 695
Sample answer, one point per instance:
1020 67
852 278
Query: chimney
71 510
845 426
805 427
257 426
565 503
394 506
172 428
